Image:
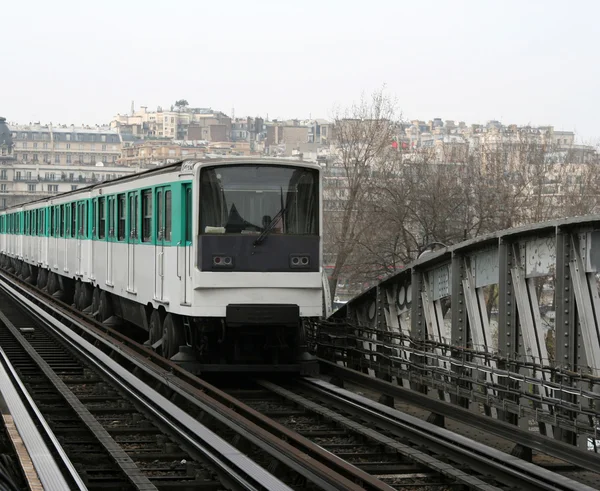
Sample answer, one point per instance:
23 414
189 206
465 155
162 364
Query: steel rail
233 466
324 469
535 441
506 468
38 438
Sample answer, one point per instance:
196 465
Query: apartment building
65 145
180 124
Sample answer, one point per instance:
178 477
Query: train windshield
248 199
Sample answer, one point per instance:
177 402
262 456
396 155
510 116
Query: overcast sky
525 61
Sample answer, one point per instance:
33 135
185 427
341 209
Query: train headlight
222 261
299 261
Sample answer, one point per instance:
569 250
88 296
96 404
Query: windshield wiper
269 228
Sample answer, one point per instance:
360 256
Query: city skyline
527 63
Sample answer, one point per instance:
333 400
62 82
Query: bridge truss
507 323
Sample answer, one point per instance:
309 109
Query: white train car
221 256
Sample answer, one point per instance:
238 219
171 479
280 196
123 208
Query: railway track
313 401
290 454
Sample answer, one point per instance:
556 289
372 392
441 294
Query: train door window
121 214
167 216
73 219
27 223
159 214
133 215
111 216
102 224
188 214
81 221
63 220
52 219
95 219
147 215
41 222
68 224
34 222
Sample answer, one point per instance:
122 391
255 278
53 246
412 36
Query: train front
258 281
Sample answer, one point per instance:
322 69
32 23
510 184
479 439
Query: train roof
175 166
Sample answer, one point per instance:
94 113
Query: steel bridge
507 324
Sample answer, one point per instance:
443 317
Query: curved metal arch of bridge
509 320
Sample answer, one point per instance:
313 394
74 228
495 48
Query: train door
110 240
163 238
186 245
132 236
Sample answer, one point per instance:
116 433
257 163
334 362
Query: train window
68 227
63 220
51 222
188 214
94 220
121 213
26 223
146 215
133 215
111 216
102 224
34 222
41 222
73 219
159 214
250 199
167 215
81 230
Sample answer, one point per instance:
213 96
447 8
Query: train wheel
105 307
173 335
96 303
156 330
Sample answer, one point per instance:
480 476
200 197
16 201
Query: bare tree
362 139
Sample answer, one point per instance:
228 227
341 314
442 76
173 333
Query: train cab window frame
147 215
121 216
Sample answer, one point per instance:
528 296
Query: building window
56 146
35 145
24 144
53 188
45 145
93 147
68 158
28 175
3 175
3 188
18 175
57 159
35 157
25 157
31 188
68 137
147 215
68 146
104 148
73 187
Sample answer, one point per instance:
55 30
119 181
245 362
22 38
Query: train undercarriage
249 339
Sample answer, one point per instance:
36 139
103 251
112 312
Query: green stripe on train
113 217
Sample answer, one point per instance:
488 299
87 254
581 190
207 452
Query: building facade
40 161
65 145
181 124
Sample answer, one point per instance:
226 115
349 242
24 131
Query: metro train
218 260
